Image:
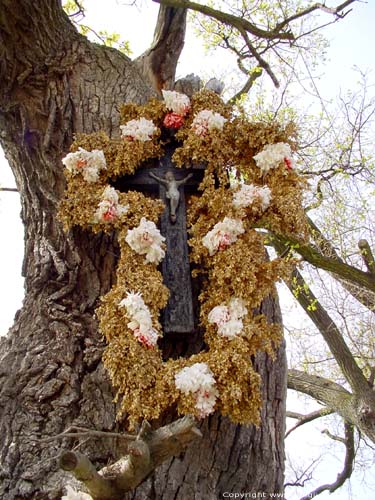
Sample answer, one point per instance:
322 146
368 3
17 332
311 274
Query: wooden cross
178 316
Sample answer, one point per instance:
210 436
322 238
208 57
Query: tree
55 84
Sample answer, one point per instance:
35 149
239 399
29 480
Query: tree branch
317 6
14 190
339 268
149 449
367 255
83 470
351 408
305 419
230 20
330 332
347 470
158 64
328 250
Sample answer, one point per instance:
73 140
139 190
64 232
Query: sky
352 42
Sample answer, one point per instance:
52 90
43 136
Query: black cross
178 316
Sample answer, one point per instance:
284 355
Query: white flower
147 240
199 380
206 121
248 193
109 209
272 155
140 130
223 234
88 163
140 319
72 494
228 318
176 102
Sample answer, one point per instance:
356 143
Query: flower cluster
223 234
272 155
147 240
140 319
198 379
140 130
248 193
178 105
228 318
176 102
206 121
109 208
88 163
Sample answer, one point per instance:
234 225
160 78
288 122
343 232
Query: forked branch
149 449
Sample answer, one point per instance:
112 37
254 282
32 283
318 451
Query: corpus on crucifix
172 192
171 183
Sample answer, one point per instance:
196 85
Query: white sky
352 44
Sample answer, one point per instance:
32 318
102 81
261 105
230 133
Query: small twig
333 436
14 190
83 432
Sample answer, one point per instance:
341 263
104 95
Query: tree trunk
54 83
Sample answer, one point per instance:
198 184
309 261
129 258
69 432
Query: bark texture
54 83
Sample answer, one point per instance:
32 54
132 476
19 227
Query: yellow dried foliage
144 382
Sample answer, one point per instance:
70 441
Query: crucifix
170 183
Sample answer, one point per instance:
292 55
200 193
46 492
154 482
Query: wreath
250 182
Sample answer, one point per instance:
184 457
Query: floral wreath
250 182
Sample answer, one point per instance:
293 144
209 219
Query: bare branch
305 419
329 331
262 62
353 409
347 469
333 437
83 470
14 190
149 449
336 11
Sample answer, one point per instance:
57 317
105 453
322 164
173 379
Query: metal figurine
171 191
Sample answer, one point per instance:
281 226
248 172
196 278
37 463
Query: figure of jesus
172 192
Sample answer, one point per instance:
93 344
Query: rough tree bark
54 83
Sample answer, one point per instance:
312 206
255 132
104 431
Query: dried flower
173 120
147 240
272 155
223 234
140 130
248 193
140 319
228 318
109 209
206 121
199 380
87 163
176 102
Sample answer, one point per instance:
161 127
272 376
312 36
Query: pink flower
288 163
224 240
173 120
110 214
